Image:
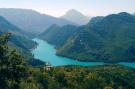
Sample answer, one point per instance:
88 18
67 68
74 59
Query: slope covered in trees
58 35
12 67
18 38
20 41
111 39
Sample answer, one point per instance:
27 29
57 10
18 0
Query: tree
94 81
12 66
3 59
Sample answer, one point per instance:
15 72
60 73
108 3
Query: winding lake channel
47 52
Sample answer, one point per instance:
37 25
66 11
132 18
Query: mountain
58 35
95 20
112 39
76 17
17 39
6 26
30 20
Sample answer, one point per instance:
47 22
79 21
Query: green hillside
111 39
18 38
57 35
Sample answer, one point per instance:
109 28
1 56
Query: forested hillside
18 39
58 35
109 39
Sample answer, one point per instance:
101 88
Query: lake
47 52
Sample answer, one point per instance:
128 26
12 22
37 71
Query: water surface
47 53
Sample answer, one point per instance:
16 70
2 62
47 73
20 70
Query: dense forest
16 73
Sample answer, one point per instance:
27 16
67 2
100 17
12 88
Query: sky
60 7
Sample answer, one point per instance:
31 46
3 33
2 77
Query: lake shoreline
47 53
77 59
115 62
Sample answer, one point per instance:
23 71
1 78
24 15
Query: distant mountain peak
74 12
76 17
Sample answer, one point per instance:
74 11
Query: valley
67 44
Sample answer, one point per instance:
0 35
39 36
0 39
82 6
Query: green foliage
23 45
36 62
12 67
98 77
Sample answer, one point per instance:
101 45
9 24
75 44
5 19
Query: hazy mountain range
110 38
30 20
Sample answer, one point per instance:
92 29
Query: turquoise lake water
47 53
